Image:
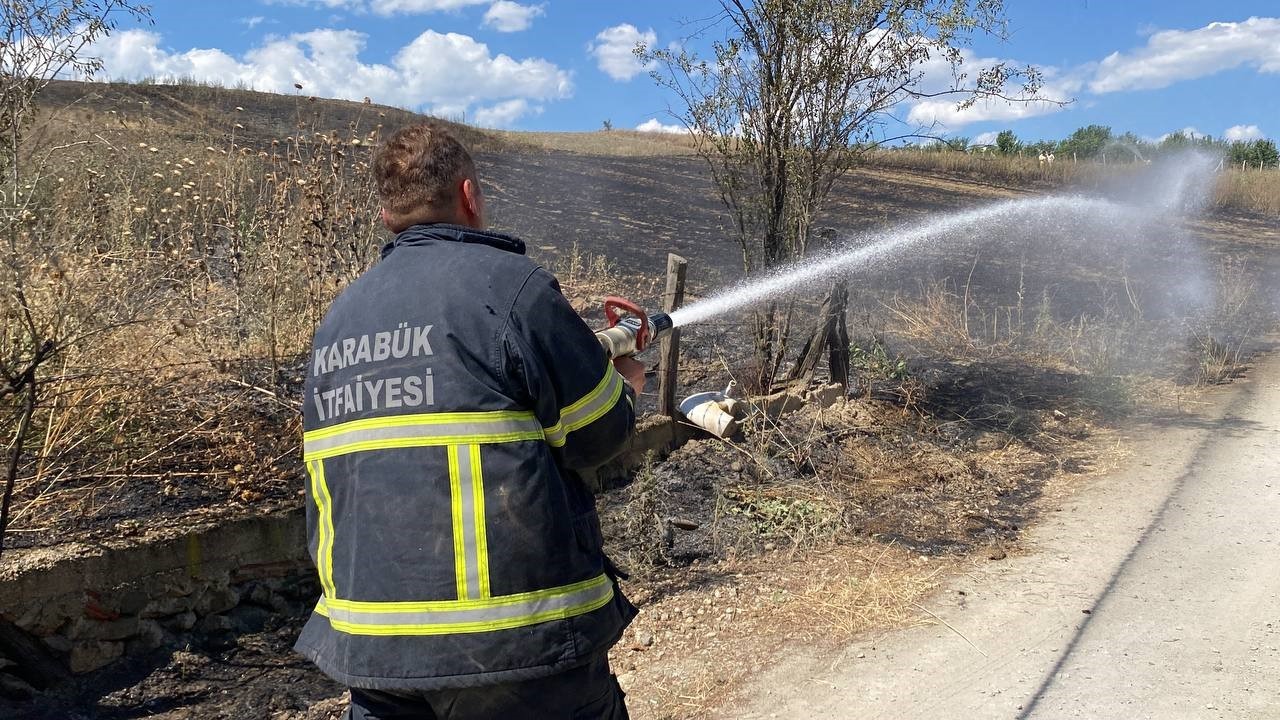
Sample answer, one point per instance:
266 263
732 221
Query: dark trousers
589 692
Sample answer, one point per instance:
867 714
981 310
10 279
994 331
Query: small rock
217 600
150 637
180 586
645 639
88 629
168 605
45 618
130 601
181 622
58 643
735 466
210 624
260 595
90 656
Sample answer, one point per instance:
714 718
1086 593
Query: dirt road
1152 593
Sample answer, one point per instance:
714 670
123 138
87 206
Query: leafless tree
796 90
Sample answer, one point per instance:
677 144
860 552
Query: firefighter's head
425 175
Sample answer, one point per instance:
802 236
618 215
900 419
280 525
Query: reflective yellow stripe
588 408
478 522
420 430
459 529
466 616
324 524
470 544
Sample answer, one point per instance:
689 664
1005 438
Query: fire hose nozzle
632 333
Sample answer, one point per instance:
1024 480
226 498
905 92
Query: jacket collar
424 234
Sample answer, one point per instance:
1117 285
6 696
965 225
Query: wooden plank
669 350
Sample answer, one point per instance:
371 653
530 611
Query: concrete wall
77 612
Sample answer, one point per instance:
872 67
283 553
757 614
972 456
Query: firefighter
452 396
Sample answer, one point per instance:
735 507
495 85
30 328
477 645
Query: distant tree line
1096 143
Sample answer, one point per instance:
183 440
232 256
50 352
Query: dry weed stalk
184 284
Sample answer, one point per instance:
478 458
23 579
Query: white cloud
614 50
446 73
652 125
986 138
946 113
252 22
328 4
1244 132
1174 55
417 7
943 114
387 8
505 113
507 16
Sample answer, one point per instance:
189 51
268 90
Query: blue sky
1150 66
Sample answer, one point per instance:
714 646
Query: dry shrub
183 282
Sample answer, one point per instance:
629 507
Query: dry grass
628 143
185 280
1249 190
855 588
1011 170
705 640
1254 190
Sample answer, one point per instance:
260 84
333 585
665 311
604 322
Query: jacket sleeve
555 365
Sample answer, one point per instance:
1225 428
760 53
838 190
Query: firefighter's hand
632 370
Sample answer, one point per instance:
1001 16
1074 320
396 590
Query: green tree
1087 142
1007 143
794 92
1042 146
1263 154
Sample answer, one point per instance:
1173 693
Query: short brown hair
417 169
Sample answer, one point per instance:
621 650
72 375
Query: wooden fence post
669 350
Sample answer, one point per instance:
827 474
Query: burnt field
992 371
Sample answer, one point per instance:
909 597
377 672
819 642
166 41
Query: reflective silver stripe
402 431
393 618
467 511
591 408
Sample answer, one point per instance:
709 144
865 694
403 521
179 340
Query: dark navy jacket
451 394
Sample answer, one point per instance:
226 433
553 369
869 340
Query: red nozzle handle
613 304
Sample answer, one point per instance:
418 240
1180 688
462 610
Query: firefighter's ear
472 203
386 219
